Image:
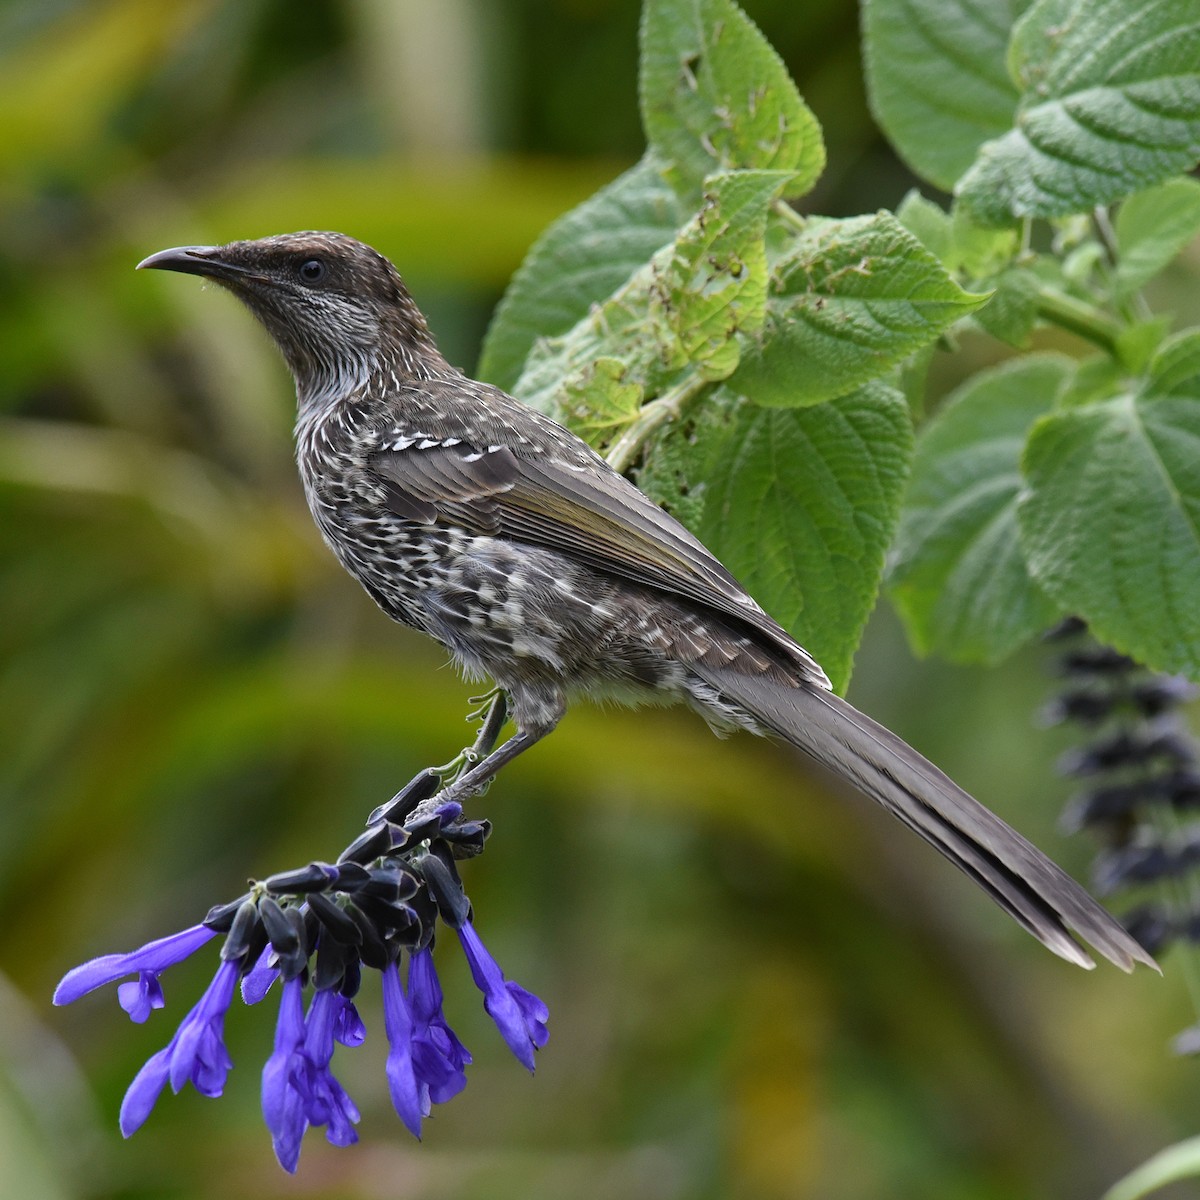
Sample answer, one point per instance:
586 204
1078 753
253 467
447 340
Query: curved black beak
194 260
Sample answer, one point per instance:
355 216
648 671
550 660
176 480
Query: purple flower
325 1100
196 1052
519 1015
257 982
410 1098
140 998
438 1056
282 1103
147 963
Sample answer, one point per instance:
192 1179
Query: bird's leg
425 784
479 776
492 714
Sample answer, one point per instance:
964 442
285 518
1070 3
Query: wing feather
583 510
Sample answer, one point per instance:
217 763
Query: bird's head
335 307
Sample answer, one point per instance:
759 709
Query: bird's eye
312 271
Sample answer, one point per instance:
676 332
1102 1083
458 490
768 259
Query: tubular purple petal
325 1100
257 982
141 998
438 1056
282 1103
154 957
348 1026
398 1025
144 1091
519 1015
199 1053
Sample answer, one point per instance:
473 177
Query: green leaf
958 575
1180 1161
716 96
930 224
1152 227
1110 102
800 504
936 78
980 250
713 285
851 300
681 309
1175 367
1012 312
578 261
1110 523
598 402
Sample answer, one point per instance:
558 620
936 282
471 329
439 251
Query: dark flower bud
281 932
447 891
220 916
1067 628
466 839
373 949
1117 802
241 932
368 846
422 830
387 918
1151 926
351 876
1096 660
316 877
332 960
1133 864
1181 789
334 919
419 788
390 883
351 979
1080 704
1161 693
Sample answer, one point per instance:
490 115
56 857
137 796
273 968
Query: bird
495 530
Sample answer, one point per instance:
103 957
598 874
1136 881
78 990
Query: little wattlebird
502 535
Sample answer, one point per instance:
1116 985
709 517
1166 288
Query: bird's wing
580 509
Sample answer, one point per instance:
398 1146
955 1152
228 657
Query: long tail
1018 876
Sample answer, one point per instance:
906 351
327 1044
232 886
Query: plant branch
1080 318
624 452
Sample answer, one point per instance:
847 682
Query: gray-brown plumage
503 536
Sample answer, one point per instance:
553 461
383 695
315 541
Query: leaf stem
624 452
1080 318
790 215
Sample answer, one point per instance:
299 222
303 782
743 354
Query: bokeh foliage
754 990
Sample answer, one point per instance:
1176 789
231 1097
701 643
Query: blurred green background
756 989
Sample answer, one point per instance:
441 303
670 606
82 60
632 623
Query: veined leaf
585 256
1110 103
936 78
1110 523
958 575
799 503
852 299
1152 227
716 96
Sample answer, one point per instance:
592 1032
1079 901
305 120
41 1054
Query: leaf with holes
581 259
716 96
1110 103
850 300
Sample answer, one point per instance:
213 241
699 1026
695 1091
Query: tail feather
1019 877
